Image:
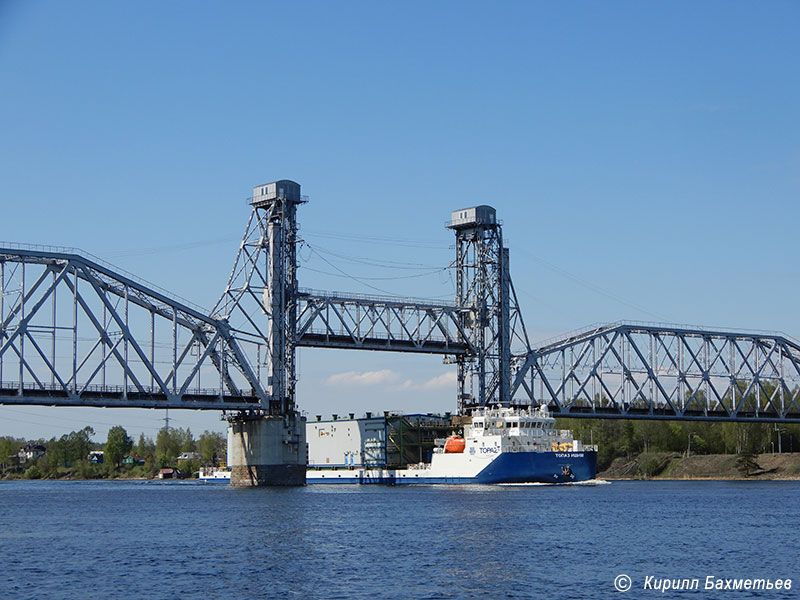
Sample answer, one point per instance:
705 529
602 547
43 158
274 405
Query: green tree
712 435
171 442
628 445
145 446
33 472
647 434
58 452
54 458
9 447
79 444
675 438
118 445
790 438
211 445
68 451
186 440
730 437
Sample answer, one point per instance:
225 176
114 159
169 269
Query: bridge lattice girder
74 332
374 323
643 371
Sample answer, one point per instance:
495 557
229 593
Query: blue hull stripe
540 467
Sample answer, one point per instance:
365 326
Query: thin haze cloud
440 382
366 378
390 378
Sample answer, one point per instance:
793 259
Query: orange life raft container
454 445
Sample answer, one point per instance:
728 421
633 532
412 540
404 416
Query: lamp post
689 446
778 432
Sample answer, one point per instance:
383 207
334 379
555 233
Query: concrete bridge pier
267 450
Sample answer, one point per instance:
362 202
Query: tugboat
498 445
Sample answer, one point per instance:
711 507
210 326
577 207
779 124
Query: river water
144 539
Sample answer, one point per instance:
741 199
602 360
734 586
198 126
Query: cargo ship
493 446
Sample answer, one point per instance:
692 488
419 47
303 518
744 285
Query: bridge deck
346 342
119 397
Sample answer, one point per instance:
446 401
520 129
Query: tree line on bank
627 438
69 455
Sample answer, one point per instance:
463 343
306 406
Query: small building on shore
186 456
31 451
170 473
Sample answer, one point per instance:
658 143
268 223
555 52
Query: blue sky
644 158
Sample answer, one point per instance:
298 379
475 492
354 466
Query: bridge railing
373 298
54 251
130 396
652 326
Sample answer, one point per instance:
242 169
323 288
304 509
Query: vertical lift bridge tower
268 446
489 310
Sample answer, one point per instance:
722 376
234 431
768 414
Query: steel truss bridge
75 331
653 371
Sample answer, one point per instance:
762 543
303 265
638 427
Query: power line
307 268
383 240
59 428
60 418
171 248
360 280
351 277
590 286
388 264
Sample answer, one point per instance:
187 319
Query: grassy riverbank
670 465
82 472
